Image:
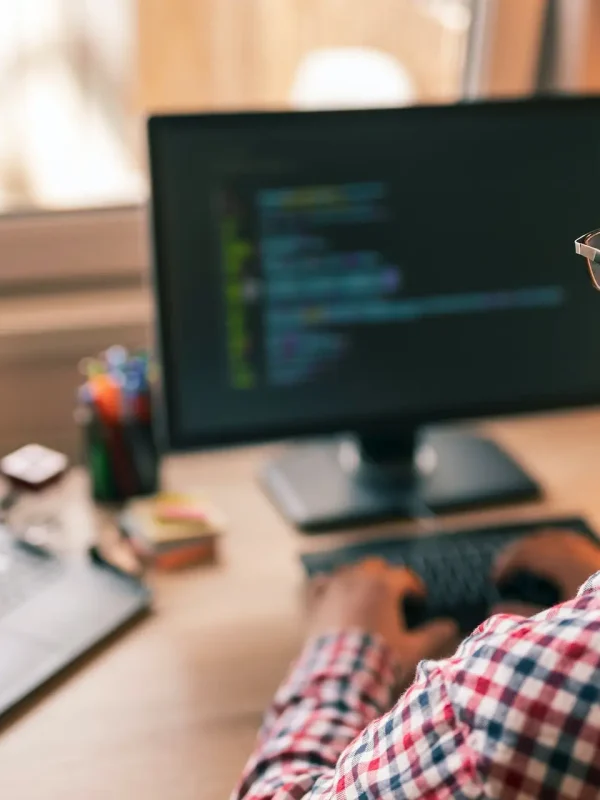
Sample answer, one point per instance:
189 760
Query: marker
90 367
116 356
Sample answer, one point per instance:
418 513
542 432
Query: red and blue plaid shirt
514 714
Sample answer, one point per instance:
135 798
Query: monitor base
349 481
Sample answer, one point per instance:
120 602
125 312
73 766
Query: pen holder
122 457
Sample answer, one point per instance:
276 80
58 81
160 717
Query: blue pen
140 370
130 394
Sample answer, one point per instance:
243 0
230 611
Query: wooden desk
171 709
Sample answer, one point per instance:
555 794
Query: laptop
54 609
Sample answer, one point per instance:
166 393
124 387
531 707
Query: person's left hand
368 597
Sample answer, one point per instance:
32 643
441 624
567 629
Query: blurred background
78 78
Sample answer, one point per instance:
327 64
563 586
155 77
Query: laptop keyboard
455 567
23 574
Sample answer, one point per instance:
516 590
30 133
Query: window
68 136
78 76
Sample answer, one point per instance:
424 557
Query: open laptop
53 610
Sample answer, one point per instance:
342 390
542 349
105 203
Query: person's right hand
564 558
368 597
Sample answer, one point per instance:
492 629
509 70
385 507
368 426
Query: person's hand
368 598
564 558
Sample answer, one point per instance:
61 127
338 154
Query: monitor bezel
171 435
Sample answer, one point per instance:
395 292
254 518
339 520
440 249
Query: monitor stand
346 481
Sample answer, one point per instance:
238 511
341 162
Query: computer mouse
526 587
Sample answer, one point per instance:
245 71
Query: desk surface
171 709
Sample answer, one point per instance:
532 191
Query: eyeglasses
588 246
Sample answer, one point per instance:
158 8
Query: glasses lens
594 266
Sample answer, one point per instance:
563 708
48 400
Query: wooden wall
244 53
513 44
588 48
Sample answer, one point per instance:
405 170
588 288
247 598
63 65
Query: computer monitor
362 275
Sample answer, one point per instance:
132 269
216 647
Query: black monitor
362 275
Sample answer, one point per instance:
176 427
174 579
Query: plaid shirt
514 714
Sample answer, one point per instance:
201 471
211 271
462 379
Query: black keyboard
455 567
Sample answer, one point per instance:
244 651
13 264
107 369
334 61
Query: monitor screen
330 271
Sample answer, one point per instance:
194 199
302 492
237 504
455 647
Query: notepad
175 530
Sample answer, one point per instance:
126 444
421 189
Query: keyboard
455 567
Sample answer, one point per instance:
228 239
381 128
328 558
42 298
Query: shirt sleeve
340 684
515 707
326 739
591 585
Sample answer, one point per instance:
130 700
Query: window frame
55 249
494 69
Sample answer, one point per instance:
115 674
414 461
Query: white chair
351 77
